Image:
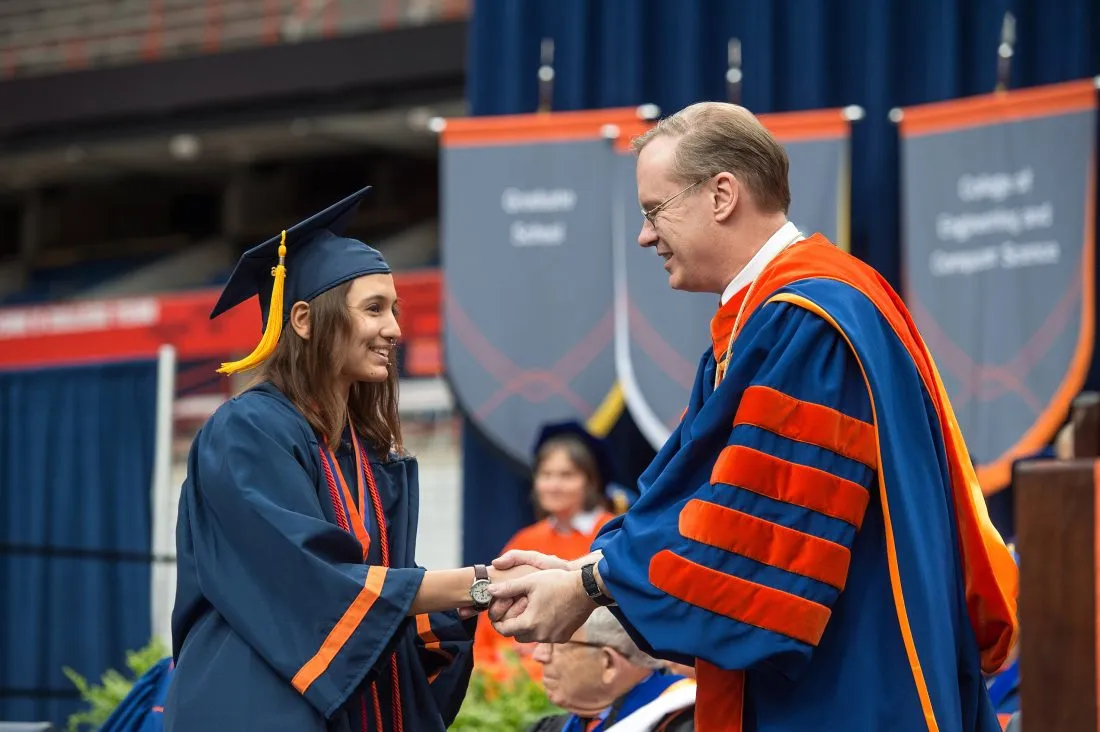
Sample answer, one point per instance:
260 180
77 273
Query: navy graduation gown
279 620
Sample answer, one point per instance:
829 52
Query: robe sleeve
742 552
445 645
290 583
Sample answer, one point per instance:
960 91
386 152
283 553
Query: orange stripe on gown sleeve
738 599
799 485
815 424
342 631
766 542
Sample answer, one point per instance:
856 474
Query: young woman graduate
299 605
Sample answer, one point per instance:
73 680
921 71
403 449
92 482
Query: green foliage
102 698
512 705
491 705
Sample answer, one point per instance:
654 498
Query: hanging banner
129 328
528 309
997 201
661 333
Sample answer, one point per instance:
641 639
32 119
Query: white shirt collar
583 522
788 234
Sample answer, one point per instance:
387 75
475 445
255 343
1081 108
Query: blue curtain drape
797 54
76 461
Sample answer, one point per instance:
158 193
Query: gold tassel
274 321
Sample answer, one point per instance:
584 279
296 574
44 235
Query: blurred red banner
132 328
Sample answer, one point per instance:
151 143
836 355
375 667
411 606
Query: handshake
538 598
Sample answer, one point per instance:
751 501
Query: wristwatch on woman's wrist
479 590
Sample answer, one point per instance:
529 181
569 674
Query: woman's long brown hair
306 372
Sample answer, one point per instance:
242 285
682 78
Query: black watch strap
591 587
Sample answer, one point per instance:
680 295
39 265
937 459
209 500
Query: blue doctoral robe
280 622
798 537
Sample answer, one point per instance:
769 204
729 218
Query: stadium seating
44 36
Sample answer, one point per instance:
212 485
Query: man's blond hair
714 137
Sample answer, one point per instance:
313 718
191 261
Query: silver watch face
479 592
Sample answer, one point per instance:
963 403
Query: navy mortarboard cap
305 260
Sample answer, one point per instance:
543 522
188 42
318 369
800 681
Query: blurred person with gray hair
605 682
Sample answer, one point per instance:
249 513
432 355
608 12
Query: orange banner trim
818 124
998 107
814 124
134 328
585 124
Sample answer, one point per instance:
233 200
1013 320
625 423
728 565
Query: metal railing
49 36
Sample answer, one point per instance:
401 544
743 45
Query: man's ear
727 193
299 319
609 664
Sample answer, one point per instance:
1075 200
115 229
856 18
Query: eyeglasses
557 646
651 214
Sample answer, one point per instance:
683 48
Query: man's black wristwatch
592 588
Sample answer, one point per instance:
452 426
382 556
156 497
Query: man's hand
520 557
545 607
499 575
515 559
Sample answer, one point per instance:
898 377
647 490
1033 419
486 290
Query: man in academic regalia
811 537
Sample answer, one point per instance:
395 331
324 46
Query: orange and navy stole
351 517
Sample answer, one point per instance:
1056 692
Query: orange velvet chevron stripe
749 602
807 422
765 542
800 485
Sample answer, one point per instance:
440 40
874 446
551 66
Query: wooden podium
1058 540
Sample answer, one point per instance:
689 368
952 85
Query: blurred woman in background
574 496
